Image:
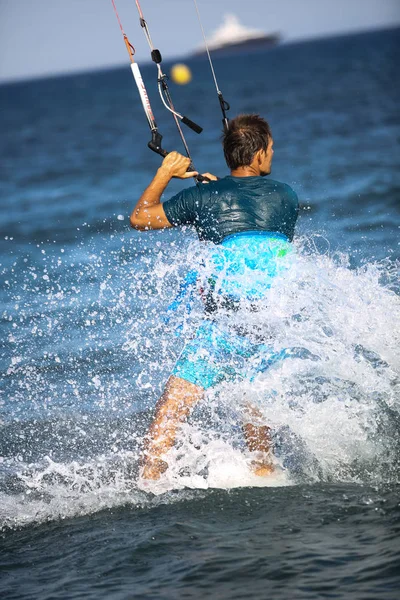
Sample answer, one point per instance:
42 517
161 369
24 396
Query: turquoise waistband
267 234
243 266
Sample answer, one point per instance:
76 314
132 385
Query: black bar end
192 125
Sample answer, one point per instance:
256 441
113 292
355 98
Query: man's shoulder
187 194
262 183
182 207
278 185
207 191
282 188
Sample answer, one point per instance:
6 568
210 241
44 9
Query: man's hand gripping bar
155 144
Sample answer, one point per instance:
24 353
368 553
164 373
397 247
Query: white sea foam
333 402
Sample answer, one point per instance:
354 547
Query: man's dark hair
247 134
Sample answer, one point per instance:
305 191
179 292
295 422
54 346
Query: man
252 220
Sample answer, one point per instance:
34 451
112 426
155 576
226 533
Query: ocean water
85 350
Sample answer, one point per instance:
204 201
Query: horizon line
120 65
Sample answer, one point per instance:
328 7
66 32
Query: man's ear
261 156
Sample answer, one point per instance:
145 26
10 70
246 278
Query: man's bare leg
172 409
258 440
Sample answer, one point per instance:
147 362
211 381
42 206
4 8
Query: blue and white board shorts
218 354
243 268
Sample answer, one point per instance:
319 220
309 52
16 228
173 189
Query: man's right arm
148 213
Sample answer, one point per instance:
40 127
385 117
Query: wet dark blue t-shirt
235 204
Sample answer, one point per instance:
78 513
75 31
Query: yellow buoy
181 74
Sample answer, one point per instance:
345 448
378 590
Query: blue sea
85 348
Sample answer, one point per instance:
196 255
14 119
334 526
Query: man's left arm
148 212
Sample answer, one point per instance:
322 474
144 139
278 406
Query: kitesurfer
251 220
